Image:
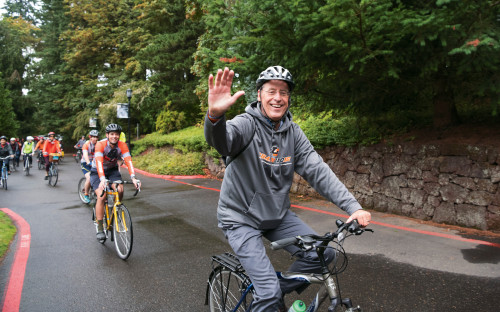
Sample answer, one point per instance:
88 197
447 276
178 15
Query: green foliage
9 124
324 131
16 43
371 56
7 232
170 120
191 139
175 163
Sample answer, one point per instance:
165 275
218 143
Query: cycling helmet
29 138
12 139
52 133
275 73
3 137
94 133
113 128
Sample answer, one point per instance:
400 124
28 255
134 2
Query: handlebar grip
282 243
138 189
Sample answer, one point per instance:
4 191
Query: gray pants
247 244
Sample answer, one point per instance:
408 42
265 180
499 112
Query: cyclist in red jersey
105 167
50 146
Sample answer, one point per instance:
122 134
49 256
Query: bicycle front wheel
122 232
26 166
41 163
53 176
4 179
226 289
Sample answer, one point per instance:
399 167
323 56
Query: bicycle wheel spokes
122 230
226 290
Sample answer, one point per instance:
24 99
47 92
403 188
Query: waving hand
219 92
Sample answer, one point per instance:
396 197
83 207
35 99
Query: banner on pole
122 110
93 122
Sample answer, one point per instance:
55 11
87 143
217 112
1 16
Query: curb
14 288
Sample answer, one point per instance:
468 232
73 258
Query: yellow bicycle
117 221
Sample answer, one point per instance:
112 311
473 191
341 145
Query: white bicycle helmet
275 73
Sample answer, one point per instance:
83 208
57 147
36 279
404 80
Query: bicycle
53 171
26 164
78 156
41 160
5 173
229 288
117 222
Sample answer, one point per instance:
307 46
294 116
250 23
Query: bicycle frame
117 202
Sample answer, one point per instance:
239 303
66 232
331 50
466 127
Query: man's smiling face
274 97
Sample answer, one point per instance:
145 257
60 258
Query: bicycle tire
225 290
123 232
53 176
81 192
26 167
40 164
4 180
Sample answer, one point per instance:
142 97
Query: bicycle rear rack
229 261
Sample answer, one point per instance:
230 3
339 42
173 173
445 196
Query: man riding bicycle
28 150
88 150
105 167
264 148
51 146
5 150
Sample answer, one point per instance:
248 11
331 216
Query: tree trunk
445 111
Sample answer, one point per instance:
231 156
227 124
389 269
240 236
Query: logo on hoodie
273 157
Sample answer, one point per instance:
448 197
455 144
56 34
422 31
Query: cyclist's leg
307 262
86 173
47 166
99 204
87 183
248 246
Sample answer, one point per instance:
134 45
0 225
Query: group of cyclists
15 148
99 163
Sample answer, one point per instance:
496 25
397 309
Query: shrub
163 162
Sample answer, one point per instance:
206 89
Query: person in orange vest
50 146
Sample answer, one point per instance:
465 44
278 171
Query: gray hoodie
256 185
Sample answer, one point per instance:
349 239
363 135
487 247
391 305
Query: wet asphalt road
175 233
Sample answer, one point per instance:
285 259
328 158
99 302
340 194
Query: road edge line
14 289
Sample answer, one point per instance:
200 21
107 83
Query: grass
161 161
7 232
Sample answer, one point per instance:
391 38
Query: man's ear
258 95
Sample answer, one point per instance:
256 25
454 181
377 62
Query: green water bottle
298 306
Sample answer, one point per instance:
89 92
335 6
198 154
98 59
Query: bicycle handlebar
306 241
137 190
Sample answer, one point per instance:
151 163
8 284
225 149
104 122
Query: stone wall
456 184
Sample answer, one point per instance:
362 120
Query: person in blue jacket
263 148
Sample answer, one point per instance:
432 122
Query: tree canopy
419 62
